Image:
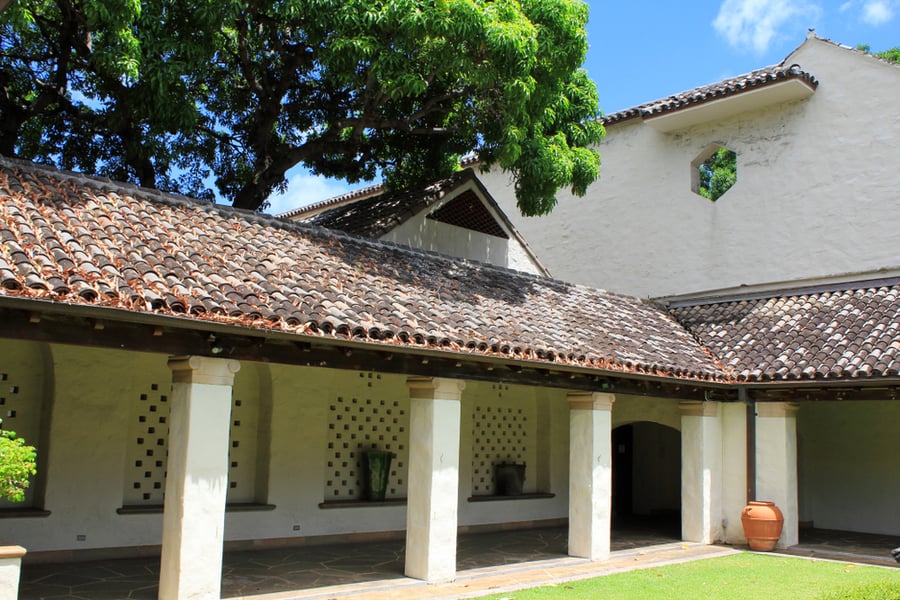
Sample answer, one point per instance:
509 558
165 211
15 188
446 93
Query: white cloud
755 23
877 12
304 189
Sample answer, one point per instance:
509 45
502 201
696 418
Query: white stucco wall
88 471
816 179
849 472
429 234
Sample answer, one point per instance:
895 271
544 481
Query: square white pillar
734 470
433 480
197 478
701 472
10 567
590 474
776 464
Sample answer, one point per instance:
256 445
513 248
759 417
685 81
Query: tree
718 173
16 466
164 93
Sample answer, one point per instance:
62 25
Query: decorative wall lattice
501 433
145 480
145 474
369 417
243 443
20 409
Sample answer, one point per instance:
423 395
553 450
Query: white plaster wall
631 409
24 365
816 179
849 472
546 469
429 234
86 457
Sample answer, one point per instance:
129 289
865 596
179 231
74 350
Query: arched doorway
646 479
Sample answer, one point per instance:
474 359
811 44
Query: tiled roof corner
79 241
830 334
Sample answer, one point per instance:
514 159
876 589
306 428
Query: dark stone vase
510 478
378 472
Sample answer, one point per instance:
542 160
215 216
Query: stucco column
590 474
197 477
734 470
433 481
776 464
701 472
10 566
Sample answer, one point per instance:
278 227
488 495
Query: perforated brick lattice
500 435
20 411
370 418
145 480
149 448
241 450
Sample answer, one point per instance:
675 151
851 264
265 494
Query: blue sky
644 51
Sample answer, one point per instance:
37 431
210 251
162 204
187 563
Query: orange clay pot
762 523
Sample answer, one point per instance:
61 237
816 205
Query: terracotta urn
762 523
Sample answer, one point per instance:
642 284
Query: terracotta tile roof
722 89
829 334
77 240
375 215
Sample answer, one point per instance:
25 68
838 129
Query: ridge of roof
375 188
77 240
396 207
785 292
467 161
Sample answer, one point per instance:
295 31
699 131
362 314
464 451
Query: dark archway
646 480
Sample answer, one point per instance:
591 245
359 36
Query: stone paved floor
486 562
866 548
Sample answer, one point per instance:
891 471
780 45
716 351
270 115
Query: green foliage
718 173
165 92
892 55
16 466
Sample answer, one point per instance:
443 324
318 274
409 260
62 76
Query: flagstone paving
487 563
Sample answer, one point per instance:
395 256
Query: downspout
751 442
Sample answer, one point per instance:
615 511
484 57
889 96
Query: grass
740 576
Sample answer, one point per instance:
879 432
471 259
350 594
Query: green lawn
740 576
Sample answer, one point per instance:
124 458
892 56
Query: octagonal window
714 171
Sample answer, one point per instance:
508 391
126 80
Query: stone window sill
362 503
532 496
155 509
23 513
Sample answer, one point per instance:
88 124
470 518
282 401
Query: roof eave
723 107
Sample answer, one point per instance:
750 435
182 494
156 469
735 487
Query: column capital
698 408
203 369
435 388
590 400
776 409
